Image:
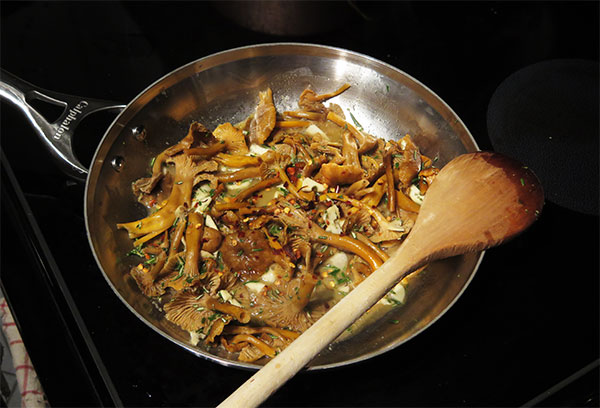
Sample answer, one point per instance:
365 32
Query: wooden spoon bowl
477 201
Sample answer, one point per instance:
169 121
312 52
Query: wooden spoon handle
302 350
478 200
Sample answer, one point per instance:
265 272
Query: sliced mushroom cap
333 174
232 137
264 119
146 275
283 305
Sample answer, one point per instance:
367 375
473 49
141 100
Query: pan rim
233 55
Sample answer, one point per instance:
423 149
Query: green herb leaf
220 265
358 125
137 251
151 261
275 229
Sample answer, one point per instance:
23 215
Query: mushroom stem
205 152
291 123
261 345
348 244
249 172
193 240
380 252
365 142
389 176
256 187
236 160
329 95
239 314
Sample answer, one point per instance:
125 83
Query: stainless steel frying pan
223 87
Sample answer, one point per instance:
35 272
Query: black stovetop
524 332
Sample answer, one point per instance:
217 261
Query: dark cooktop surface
524 332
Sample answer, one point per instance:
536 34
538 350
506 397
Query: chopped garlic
206 254
332 220
202 197
344 289
224 168
338 260
236 187
228 297
395 296
209 222
270 275
308 184
225 295
255 286
195 337
415 194
314 131
257 150
270 194
396 225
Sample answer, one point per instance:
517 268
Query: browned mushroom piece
248 253
283 305
253 350
371 196
195 132
311 194
146 273
426 177
395 229
311 102
181 194
409 164
211 240
334 174
199 312
264 119
233 138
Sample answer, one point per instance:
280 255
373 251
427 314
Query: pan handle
58 135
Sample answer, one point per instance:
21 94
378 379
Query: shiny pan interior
224 87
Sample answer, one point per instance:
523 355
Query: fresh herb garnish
220 265
358 125
137 251
275 229
179 267
214 316
343 279
151 261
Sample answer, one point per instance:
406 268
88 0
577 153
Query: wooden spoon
477 201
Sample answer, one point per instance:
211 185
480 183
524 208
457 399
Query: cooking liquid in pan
255 256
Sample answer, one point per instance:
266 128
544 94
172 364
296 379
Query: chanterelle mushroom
264 119
255 229
198 312
283 304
